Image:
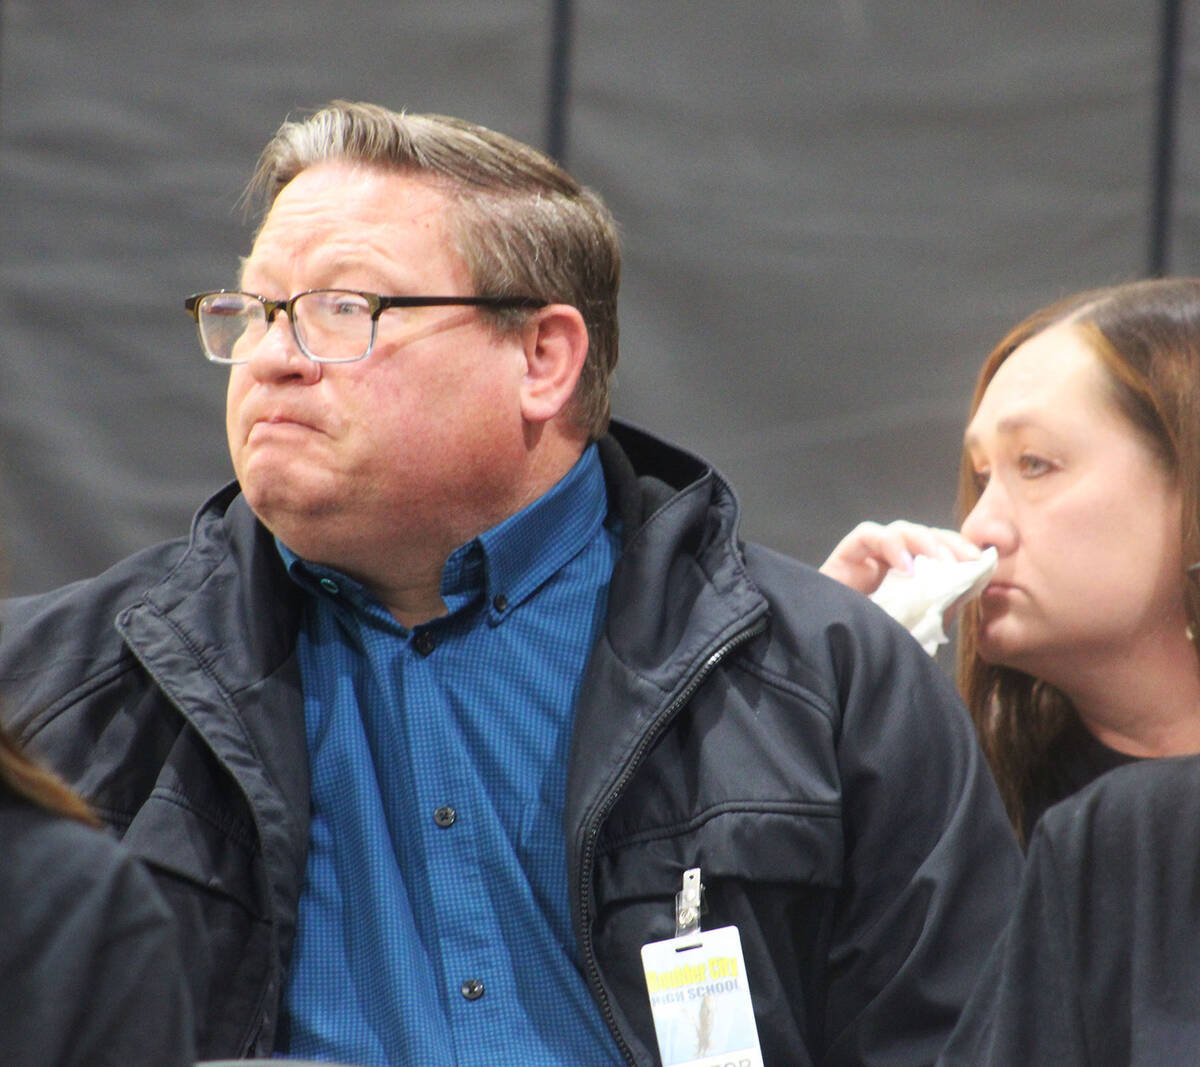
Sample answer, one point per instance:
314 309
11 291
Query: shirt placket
452 805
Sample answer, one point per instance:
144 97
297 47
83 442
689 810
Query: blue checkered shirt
434 925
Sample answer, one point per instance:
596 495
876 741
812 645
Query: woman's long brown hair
1147 336
20 776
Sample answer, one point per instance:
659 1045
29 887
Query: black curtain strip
1167 107
560 77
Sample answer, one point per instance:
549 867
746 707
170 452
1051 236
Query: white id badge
700 1000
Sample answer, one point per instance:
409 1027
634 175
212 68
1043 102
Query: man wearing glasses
424 726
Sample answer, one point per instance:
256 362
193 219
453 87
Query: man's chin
282 501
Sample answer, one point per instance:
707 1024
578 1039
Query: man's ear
556 344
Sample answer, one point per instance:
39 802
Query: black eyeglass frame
378 305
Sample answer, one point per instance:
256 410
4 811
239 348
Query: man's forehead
330 199
343 213
357 192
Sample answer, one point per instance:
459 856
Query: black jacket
740 713
90 973
1100 966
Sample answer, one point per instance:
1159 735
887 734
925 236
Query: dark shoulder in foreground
88 951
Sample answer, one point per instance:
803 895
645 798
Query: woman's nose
990 521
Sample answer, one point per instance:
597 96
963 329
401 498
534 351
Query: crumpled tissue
919 601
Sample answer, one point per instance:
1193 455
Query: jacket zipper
589 848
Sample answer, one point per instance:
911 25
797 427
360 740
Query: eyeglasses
330 325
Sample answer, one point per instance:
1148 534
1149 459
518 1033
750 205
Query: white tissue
920 600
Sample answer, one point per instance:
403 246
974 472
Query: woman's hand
870 550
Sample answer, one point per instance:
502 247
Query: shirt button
445 816
472 989
424 642
330 586
500 602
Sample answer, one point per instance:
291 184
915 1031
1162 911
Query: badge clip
688 904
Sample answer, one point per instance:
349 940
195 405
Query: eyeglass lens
330 325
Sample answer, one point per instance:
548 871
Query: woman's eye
1032 466
980 479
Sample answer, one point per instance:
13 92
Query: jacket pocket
770 869
748 841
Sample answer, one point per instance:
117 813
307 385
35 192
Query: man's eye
346 305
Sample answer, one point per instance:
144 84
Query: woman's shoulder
88 947
44 835
54 864
1072 761
1151 803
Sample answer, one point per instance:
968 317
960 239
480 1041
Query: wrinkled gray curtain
830 211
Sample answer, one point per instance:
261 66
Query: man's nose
276 355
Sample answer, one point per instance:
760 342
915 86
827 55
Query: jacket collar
221 628
680 582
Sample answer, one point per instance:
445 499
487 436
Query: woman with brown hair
90 971
1081 465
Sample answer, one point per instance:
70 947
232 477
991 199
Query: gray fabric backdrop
831 211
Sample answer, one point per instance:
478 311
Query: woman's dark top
1100 964
90 972
1074 759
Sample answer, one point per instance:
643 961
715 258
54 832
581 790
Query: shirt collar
507 563
512 560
